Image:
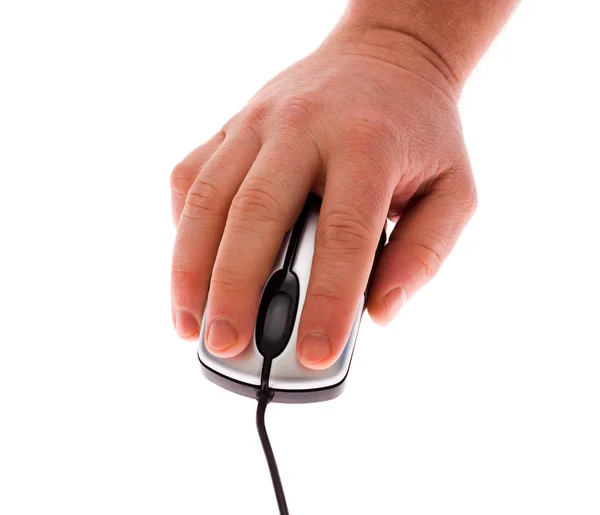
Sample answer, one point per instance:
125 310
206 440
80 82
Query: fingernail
186 324
221 335
315 347
394 301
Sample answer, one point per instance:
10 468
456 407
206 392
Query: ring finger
201 226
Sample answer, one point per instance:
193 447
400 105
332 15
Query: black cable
263 399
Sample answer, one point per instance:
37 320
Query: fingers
352 217
201 226
185 173
265 207
420 242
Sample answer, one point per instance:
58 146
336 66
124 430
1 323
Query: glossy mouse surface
270 358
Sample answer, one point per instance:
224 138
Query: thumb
421 241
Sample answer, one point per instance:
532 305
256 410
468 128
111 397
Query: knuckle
254 204
230 123
183 277
344 231
471 201
295 111
248 135
460 185
181 178
254 115
203 199
429 258
247 127
326 294
228 279
371 133
181 273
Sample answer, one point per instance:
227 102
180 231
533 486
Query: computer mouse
269 362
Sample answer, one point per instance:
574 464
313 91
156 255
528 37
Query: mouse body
269 361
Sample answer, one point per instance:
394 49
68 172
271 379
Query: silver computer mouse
269 362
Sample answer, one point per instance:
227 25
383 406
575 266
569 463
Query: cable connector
265 393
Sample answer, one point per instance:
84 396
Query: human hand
369 122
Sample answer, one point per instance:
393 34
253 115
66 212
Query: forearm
458 32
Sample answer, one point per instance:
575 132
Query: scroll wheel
276 319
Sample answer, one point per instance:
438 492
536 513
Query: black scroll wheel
277 313
276 319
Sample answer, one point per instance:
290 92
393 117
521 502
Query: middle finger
265 207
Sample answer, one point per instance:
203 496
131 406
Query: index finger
353 213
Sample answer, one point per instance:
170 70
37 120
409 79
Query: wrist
396 48
451 34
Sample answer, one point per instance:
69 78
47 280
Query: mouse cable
264 397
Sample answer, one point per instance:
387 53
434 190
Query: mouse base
283 396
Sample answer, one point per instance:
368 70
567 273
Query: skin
369 122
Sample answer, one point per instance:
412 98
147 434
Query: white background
483 397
